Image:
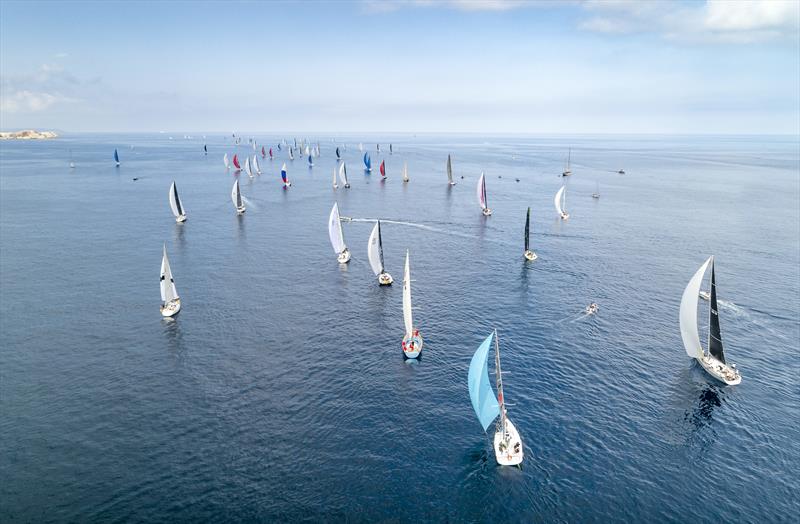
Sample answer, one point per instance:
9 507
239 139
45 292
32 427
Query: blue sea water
280 392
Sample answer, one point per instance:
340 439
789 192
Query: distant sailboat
375 255
236 162
71 163
116 157
236 197
338 155
170 301
482 201
226 161
205 149
360 147
412 340
335 185
405 172
378 148
596 193
561 202
256 167
343 175
270 153
507 442
382 169
337 236
291 153
529 254
247 168
175 204
310 161
367 163
450 172
390 149
263 152
285 177
568 169
713 361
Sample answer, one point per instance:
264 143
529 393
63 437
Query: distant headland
27 134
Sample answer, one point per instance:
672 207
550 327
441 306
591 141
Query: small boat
236 162
170 301
482 196
291 153
712 361
205 149
405 171
367 163
175 204
375 255
255 165
247 168
621 171
335 185
310 161
226 161
391 152
561 202
338 155
285 177
116 157
71 163
360 147
236 197
412 340
507 442
596 193
382 169
343 175
263 152
568 170
705 295
529 254
337 236
592 308
450 172
270 153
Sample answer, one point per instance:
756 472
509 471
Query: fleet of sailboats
482 201
170 301
412 340
375 256
337 235
175 204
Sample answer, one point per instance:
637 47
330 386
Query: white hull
385 279
344 257
508 451
566 173
487 212
412 346
452 183
705 295
564 216
722 372
240 210
171 308
180 219
530 255
595 195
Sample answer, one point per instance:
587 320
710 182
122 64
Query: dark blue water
280 392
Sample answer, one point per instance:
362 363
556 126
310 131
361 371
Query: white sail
405 171
343 174
449 170
227 162
374 251
335 230
558 200
168 291
174 201
482 191
236 195
407 317
247 167
688 314
335 185
255 164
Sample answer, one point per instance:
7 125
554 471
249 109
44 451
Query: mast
569 157
499 383
714 334
380 245
527 230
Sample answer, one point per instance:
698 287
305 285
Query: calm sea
280 392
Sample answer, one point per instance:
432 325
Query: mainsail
480 389
338 155
236 195
528 230
247 167
367 162
236 162
284 175
175 201
482 191
407 318
714 334
375 249
688 313
449 170
255 164
560 200
343 174
227 162
405 171
335 230
383 169
168 291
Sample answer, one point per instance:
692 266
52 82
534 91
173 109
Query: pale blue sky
406 66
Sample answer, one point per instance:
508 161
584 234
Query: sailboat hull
385 279
344 257
412 346
508 451
564 216
722 372
171 308
530 255
240 210
487 212
180 219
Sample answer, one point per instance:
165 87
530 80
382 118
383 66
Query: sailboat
337 236
507 442
529 254
270 153
391 152
255 165
338 155
412 340
567 169
170 301
263 152
482 196
360 147
335 185
596 193
343 175
116 157
285 177
382 169
236 162
405 171
205 149
291 153
712 361
367 163
375 255
236 197
71 163
226 161
175 204
379 148
310 161
247 167
561 202
450 172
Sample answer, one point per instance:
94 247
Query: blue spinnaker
480 389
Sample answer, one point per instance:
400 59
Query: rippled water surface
280 392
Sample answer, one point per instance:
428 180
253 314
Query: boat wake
413 224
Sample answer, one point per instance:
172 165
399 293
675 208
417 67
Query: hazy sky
478 66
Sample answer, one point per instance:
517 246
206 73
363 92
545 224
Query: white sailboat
236 197
568 170
507 442
450 172
247 168
412 340
170 301
226 161
561 202
482 201
713 361
291 154
175 204
343 175
405 171
256 167
596 193
529 253
375 255
335 185
337 236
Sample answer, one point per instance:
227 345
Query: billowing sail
291 154
247 167
255 164
482 191
390 149
168 291
335 185
263 152
236 162
227 162
559 199
483 399
205 148
270 152
338 155
343 174
367 162
310 161
405 171
175 201
407 317
335 230
383 169
528 230
714 334
284 176
116 157
374 249
688 313
236 195
449 170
